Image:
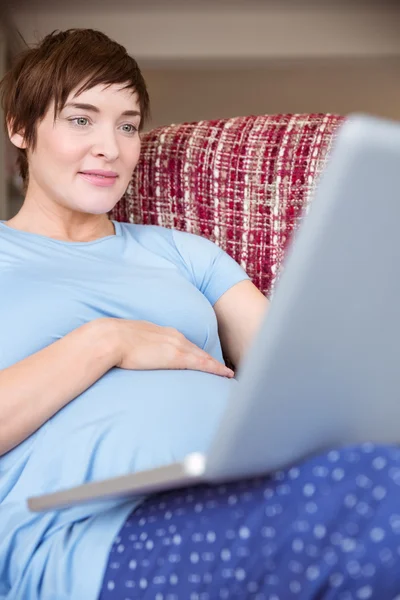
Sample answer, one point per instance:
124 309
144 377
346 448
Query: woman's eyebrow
92 108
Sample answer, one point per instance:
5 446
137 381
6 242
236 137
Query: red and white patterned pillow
241 182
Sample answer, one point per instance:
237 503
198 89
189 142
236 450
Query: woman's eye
80 121
129 128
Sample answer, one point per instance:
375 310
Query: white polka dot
338 474
143 536
312 572
309 489
377 534
320 471
297 545
394 521
132 564
240 574
283 490
173 579
350 500
295 567
244 533
120 548
302 526
319 531
379 463
198 507
294 472
174 558
363 482
353 567
311 508
369 570
143 583
177 540
225 554
227 573
208 556
268 532
149 545
252 587
379 492
272 511
364 593
394 473
211 537
295 587
159 596
194 558
362 508
333 456
336 580
232 499
110 585
348 545
330 557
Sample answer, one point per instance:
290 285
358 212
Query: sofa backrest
243 182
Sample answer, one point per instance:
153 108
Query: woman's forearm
34 389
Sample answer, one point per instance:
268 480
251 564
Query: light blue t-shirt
127 420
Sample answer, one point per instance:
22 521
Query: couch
243 182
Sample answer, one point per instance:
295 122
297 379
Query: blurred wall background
205 60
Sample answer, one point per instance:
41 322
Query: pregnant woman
112 337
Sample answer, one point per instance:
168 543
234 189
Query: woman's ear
16 138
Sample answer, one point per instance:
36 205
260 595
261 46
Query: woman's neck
73 227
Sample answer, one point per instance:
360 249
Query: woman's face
84 160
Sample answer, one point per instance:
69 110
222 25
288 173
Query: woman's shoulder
161 237
147 235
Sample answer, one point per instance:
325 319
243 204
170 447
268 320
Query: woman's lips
99 180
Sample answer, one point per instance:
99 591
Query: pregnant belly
134 420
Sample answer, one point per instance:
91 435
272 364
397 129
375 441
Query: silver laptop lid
324 368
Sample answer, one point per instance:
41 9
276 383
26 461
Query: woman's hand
141 345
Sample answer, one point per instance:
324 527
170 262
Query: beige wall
334 85
156 32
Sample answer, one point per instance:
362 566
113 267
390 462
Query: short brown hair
55 67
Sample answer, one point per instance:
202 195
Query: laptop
324 368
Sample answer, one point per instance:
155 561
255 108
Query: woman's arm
239 314
34 389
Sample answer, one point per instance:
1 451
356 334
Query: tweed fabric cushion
242 182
